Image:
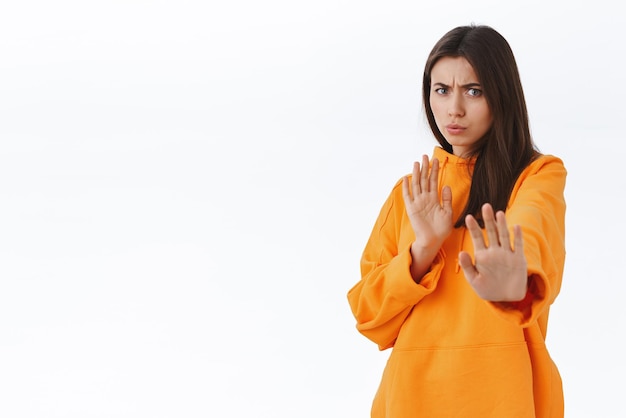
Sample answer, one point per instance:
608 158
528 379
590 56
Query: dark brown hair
507 148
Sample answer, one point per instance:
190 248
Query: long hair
507 147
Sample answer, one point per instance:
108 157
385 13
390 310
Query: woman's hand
498 273
431 219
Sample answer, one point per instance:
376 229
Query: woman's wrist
421 259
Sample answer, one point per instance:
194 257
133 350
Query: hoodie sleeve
386 293
537 204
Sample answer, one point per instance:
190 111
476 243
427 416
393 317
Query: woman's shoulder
546 171
543 162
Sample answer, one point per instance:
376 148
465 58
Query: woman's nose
456 107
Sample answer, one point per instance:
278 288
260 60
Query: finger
424 174
475 233
416 179
490 225
503 230
406 191
465 262
433 178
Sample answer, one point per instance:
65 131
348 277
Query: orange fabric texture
453 353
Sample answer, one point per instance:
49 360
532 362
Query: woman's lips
454 129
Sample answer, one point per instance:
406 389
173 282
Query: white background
186 188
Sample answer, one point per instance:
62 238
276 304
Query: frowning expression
458 104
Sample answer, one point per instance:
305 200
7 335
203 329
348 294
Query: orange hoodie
455 354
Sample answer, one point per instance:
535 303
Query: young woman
467 253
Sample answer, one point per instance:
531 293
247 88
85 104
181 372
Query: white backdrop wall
186 188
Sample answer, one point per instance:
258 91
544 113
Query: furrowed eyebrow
465 86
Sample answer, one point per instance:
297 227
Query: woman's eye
441 90
474 92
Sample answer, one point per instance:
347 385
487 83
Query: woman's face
458 104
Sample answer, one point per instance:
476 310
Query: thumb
446 198
465 261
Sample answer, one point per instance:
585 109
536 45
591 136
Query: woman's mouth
454 129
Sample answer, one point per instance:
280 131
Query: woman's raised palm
430 216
